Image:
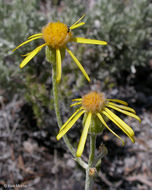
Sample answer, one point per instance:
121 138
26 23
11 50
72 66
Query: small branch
102 152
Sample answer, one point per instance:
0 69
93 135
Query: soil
31 158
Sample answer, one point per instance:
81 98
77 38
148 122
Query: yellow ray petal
25 55
125 112
78 21
119 101
71 118
77 99
75 104
77 25
78 64
122 107
84 135
102 120
27 41
31 55
89 41
35 35
58 66
120 123
69 125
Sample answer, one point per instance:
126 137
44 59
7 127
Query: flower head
95 104
57 35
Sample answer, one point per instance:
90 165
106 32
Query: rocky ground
31 158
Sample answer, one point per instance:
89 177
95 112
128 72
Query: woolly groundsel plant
94 106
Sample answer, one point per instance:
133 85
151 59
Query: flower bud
92 172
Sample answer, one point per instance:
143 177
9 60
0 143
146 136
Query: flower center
93 101
56 34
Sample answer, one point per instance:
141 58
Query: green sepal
51 54
96 127
62 53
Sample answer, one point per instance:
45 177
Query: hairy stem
59 121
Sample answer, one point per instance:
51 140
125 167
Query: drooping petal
58 66
119 101
25 55
89 41
77 25
75 104
122 107
125 112
31 55
71 118
84 135
78 64
69 125
27 41
35 35
104 123
120 123
78 21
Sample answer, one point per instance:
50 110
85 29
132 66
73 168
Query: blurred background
29 152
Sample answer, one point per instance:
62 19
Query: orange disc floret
56 34
93 102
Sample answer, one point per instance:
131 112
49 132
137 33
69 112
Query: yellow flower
56 35
95 104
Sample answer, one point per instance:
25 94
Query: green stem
89 179
59 121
